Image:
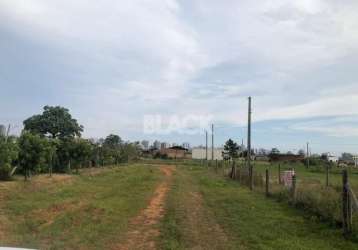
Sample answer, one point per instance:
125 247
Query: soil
144 227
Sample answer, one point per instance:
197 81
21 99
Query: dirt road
144 229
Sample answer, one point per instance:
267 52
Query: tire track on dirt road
142 231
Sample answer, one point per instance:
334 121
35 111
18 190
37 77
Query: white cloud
338 130
203 56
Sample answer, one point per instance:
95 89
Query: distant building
261 158
164 145
200 153
156 144
330 157
2 130
355 159
347 158
145 145
186 145
175 152
286 157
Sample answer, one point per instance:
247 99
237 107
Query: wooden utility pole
293 188
308 157
206 146
346 216
212 142
267 182
279 173
327 174
249 146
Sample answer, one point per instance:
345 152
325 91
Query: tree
301 152
275 151
112 141
33 151
129 151
73 151
347 157
231 148
8 154
55 122
112 149
81 151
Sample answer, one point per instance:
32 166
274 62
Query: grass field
145 206
246 220
88 211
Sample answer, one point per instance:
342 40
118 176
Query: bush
314 199
8 154
323 202
33 152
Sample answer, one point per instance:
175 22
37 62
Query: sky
117 64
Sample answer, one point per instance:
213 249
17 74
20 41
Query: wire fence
325 193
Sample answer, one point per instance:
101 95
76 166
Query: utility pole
212 142
242 146
206 145
249 145
308 157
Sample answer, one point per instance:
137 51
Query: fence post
279 173
293 188
346 205
267 182
327 173
233 170
238 172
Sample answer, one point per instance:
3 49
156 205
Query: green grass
315 174
203 210
249 220
86 212
313 196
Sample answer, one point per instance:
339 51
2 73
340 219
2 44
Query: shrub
8 154
323 202
33 152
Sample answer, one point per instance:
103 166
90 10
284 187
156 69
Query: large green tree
55 122
113 141
112 149
231 148
81 151
33 152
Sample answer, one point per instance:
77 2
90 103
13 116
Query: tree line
51 142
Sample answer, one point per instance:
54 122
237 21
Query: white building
200 153
156 144
186 145
145 144
355 159
164 145
331 157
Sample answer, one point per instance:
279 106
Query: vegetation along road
147 206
